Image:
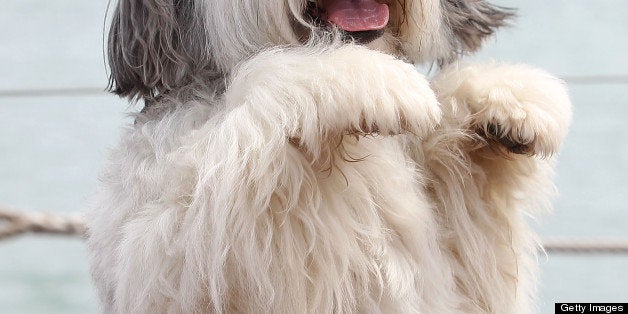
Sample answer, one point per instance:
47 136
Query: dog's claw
494 133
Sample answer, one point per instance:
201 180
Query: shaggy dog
290 159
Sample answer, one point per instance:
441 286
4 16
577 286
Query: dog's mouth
359 20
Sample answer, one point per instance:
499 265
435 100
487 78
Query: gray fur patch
155 46
474 20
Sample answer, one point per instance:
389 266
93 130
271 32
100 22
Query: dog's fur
278 168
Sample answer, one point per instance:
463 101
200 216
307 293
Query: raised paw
406 104
521 109
375 94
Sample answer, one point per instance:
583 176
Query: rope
94 91
596 79
13 223
586 245
52 92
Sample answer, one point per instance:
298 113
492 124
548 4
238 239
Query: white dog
290 159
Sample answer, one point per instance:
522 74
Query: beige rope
95 90
13 223
586 245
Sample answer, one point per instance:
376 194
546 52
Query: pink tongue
356 15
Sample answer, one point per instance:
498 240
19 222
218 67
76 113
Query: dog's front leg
499 122
250 174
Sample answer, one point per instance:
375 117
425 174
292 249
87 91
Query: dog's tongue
357 15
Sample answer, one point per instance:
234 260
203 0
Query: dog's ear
153 47
472 21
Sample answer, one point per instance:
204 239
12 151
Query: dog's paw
378 94
420 111
317 95
524 110
404 104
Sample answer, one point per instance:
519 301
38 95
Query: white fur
256 200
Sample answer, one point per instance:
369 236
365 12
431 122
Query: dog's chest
373 223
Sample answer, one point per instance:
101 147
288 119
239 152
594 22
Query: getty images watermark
590 308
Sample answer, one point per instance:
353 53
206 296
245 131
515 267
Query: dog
291 159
